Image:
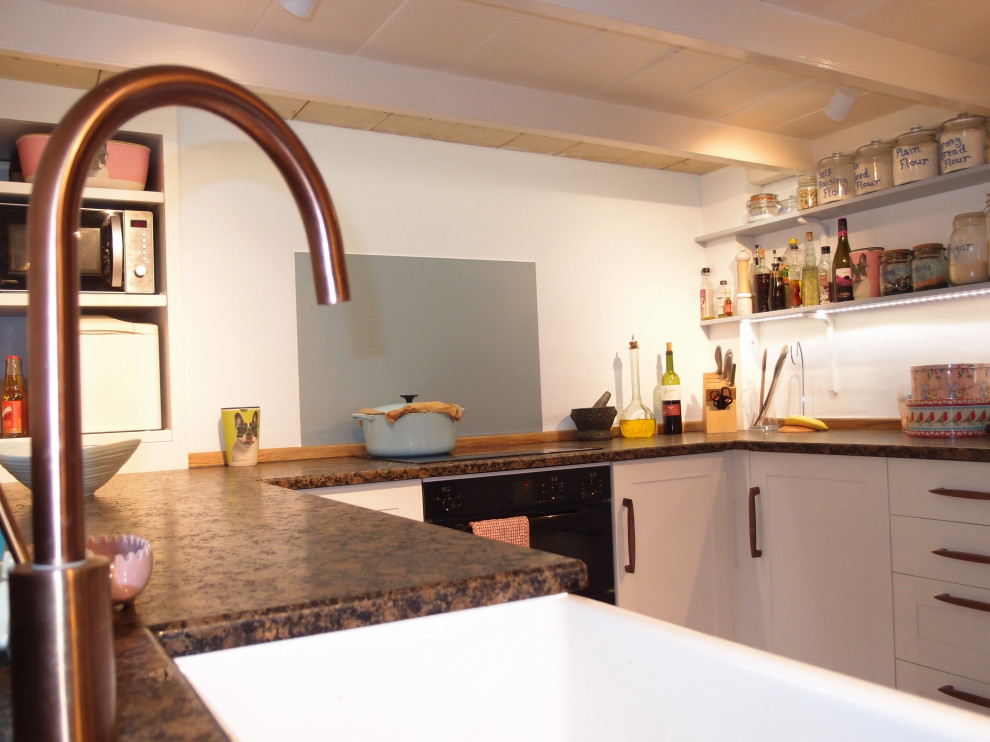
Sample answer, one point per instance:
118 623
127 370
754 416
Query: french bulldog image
245 449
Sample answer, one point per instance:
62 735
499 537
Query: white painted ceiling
689 85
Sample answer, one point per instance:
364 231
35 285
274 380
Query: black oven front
569 511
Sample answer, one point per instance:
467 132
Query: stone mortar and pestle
594 423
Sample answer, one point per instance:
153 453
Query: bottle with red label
13 409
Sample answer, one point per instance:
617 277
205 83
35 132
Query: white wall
613 246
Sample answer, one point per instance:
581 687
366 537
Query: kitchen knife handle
630 533
964 696
966 556
977 605
753 551
966 494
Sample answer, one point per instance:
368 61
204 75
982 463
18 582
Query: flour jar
915 156
962 143
968 249
836 178
874 167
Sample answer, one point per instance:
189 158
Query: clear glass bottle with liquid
723 299
636 420
706 294
826 290
795 268
14 416
761 283
809 273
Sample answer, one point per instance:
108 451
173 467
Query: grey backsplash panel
462 331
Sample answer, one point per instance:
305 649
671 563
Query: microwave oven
115 249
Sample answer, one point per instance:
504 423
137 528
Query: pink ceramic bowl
950 381
130 563
119 164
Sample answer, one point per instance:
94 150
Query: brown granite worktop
240 560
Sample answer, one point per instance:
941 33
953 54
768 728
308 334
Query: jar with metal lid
788 205
874 167
915 156
929 267
807 191
968 249
836 178
895 273
962 143
762 205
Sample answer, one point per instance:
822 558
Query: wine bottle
842 266
672 424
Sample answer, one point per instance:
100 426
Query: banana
808 422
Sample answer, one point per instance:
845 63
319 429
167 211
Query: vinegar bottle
636 420
842 266
826 290
707 295
795 273
809 273
672 424
13 412
761 284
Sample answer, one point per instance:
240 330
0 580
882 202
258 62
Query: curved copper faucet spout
53 310
61 635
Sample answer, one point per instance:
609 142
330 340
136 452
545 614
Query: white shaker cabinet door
673 540
822 525
404 498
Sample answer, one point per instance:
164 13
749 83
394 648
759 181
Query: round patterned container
866 272
951 382
962 143
915 156
945 419
836 178
874 167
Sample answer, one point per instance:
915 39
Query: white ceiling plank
53 32
755 31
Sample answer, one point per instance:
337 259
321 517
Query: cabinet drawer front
925 682
941 635
912 480
912 541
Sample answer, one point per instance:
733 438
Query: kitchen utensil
603 400
593 423
794 359
418 429
726 363
721 398
718 359
130 563
760 418
732 375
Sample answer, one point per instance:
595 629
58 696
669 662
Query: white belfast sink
553 668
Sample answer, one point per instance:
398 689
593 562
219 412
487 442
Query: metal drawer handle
964 556
964 696
978 605
630 534
753 551
965 494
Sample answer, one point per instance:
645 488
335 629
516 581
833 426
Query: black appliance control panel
530 491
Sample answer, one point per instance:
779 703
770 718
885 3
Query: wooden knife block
713 420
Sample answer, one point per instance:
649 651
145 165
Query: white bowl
130 563
100 461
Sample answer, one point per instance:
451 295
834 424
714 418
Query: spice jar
929 268
762 205
962 143
807 191
915 156
968 249
874 167
836 178
895 273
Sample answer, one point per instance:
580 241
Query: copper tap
62 661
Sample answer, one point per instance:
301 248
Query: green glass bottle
671 405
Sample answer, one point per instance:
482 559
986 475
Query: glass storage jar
929 268
874 167
807 191
836 178
895 273
762 205
962 143
915 156
968 249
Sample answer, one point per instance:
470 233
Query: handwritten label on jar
914 162
955 155
832 185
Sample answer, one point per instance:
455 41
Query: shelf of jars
15 302
883 302
831 211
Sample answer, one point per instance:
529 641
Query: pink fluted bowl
130 563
